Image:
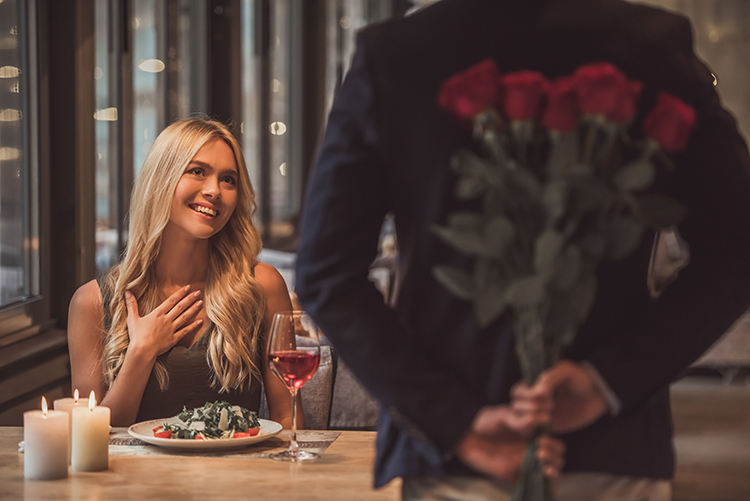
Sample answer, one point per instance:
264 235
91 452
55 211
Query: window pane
280 171
19 261
249 133
344 19
188 25
107 126
149 78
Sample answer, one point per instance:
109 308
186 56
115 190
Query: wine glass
293 355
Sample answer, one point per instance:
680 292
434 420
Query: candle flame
75 395
44 406
92 401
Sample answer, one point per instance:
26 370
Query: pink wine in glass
296 367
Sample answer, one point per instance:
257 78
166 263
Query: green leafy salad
212 421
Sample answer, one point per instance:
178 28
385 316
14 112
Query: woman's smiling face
206 194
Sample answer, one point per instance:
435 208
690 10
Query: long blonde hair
233 298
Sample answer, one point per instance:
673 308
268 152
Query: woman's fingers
189 313
181 305
131 304
168 305
187 330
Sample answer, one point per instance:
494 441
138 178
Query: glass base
288 456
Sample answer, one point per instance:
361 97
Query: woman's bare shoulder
88 298
274 288
269 277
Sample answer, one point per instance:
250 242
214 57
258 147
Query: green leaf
623 236
491 142
464 241
526 291
563 154
555 199
469 188
635 176
458 282
589 195
546 249
498 233
490 303
583 296
660 211
526 181
581 169
561 318
567 269
592 245
464 220
466 163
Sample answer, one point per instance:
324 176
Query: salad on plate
214 421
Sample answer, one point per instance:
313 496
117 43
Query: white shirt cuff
614 404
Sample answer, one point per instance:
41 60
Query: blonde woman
183 318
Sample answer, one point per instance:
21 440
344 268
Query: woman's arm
85 338
277 394
150 336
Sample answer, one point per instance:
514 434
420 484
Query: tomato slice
251 432
199 437
162 434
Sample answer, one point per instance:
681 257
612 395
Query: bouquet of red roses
562 184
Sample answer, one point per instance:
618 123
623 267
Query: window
290 50
344 18
166 82
109 232
19 184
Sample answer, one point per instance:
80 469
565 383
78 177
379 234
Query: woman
183 319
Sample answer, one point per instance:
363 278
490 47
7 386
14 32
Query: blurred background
86 85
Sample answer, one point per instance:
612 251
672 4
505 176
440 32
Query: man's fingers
500 459
503 421
526 424
542 389
551 453
535 404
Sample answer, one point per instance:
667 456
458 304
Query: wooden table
712 424
343 472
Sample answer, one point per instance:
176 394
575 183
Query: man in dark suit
436 373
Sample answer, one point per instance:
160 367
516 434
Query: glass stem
293 444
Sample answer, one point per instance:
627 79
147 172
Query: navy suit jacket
387 149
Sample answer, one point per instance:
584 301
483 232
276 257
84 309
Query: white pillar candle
90 437
67 405
46 439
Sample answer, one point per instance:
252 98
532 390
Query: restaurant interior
85 87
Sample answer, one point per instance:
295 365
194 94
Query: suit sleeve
712 180
346 202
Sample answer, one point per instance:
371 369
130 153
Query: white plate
145 431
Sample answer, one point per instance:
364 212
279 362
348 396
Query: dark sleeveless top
189 377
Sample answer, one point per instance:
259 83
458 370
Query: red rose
605 90
562 111
470 92
670 123
627 108
523 93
